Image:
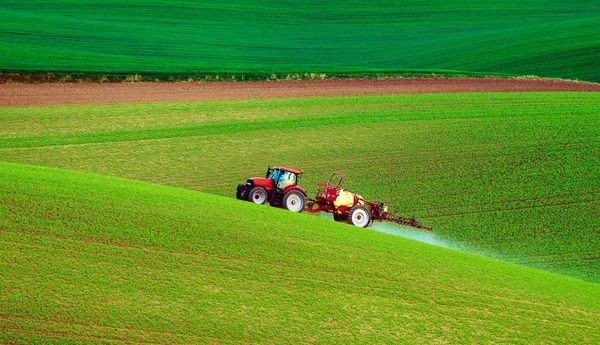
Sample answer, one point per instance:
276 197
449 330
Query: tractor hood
261 182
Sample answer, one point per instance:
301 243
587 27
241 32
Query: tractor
279 187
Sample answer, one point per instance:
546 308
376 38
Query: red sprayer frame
327 193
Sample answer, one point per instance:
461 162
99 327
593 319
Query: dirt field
106 93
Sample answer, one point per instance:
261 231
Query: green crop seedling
512 175
107 260
134 40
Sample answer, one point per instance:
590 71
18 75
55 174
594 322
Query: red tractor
279 187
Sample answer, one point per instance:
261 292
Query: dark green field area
513 176
101 260
546 38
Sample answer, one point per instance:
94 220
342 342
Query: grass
203 40
105 260
507 175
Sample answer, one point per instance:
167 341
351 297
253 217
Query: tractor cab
283 177
279 187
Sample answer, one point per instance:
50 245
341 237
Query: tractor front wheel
359 216
294 201
258 195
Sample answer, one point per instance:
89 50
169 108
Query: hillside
94 259
507 175
178 39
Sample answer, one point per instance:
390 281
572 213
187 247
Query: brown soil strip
114 93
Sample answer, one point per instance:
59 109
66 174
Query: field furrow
508 175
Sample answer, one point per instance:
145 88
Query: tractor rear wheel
258 195
294 201
359 216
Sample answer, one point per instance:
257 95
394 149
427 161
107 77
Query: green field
547 38
105 260
513 176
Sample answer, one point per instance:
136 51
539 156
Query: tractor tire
359 216
294 201
258 195
239 194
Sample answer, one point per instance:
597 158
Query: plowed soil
109 93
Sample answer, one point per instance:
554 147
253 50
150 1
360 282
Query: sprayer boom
412 222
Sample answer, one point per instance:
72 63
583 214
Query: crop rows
101 260
312 39
512 174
